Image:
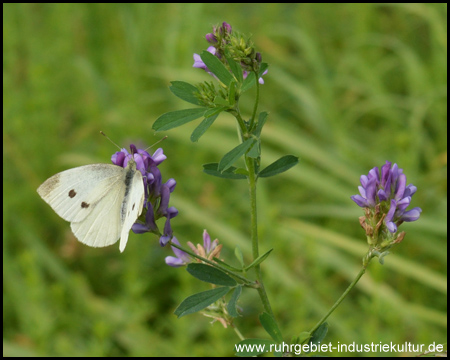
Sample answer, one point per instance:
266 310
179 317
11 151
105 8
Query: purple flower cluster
209 250
224 32
157 194
390 192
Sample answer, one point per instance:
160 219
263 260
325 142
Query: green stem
254 228
238 333
242 126
214 264
336 304
255 108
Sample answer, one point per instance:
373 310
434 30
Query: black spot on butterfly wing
73 193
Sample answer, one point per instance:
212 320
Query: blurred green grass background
349 87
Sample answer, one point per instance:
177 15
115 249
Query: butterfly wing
103 225
74 193
133 202
90 197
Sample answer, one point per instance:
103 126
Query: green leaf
231 307
219 100
303 337
249 82
235 67
225 265
270 325
239 256
278 354
320 333
255 151
258 260
232 93
215 111
210 274
261 121
216 67
201 129
232 156
241 171
200 301
263 67
211 169
261 346
185 91
294 340
177 118
282 164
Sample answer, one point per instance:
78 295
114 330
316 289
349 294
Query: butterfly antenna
156 143
106 136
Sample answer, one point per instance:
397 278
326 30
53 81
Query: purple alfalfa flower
166 211
387 195
211 38
198 62
158 156
168 233
260 80
157 194
225 29
162 211
223 33
209 250
181 258
150 224
208 245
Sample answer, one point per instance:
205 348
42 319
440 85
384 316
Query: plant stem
336 304
243 129
255 108
238 333
212 263
254 228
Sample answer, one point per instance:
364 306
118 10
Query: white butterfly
101 201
